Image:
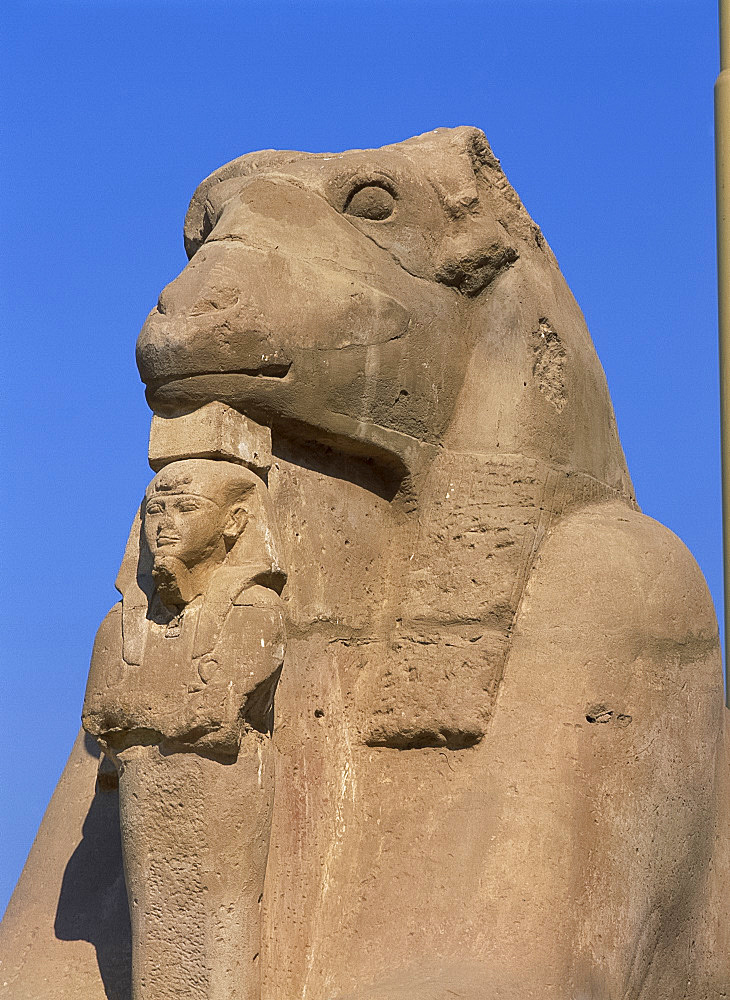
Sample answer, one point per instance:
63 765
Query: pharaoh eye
370 202
153 508
187 505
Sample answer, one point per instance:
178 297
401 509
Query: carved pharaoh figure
180 697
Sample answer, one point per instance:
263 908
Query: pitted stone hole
319 713
599 713
602 714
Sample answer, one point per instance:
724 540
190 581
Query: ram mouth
273 370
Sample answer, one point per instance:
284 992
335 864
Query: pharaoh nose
164 523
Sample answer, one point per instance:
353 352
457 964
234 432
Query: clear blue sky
600 111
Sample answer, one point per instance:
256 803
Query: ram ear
490 228
476 247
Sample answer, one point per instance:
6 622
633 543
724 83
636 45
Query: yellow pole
722 180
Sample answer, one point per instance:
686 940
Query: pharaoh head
194 513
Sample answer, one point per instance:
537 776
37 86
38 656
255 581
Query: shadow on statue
92 905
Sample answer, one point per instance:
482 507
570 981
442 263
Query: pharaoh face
185 525
193 513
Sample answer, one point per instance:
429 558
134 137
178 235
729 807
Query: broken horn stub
213 431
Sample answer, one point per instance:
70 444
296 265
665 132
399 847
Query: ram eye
370 202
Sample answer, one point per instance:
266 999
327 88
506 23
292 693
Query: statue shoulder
109 633
618 588
105 670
